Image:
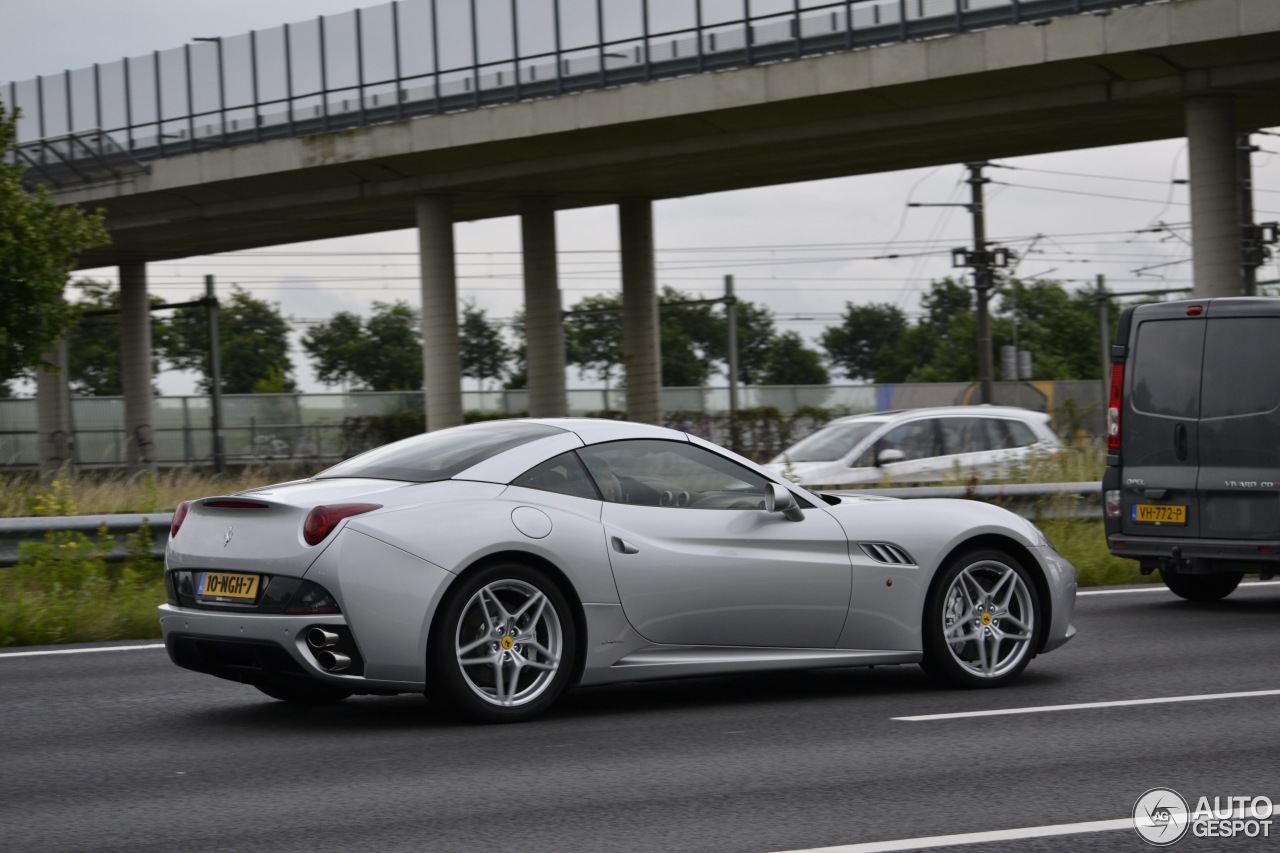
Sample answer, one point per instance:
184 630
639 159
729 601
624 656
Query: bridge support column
441 364
641 344
53 415
544 325
1215 196
135 367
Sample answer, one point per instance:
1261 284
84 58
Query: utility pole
215 375
1255 237
983 262
731 313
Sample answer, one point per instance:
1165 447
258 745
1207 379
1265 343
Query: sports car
493 566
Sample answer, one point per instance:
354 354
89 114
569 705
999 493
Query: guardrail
1030 500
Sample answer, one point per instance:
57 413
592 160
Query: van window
1240 355
1166 368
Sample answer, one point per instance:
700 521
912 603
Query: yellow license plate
223 586
1160 513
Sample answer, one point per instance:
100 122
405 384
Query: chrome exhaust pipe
333 661
318 638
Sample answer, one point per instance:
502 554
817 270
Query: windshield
829 443
439 455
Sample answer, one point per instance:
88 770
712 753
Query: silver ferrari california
495 565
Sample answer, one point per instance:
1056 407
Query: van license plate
1159 513
222 586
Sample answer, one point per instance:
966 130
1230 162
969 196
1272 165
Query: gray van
1193 442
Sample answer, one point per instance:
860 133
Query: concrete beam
441 362
135 368
1212 163
641 343
544 327
53 414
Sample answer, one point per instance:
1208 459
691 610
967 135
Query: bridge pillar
441 362
641 344
544 326
53 414
135 367
1215 196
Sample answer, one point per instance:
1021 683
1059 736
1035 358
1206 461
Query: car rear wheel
980 620
502 646
305 694
1202 587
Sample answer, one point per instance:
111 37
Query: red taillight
179 516
321 520
1114 402
1195 310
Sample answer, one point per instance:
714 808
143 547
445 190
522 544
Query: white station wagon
917 446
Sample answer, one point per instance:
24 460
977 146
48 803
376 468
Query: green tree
1060 329
382 354
866 334
791 362
692 336
39 244
253 344
593 337
518 374
483 351
94 342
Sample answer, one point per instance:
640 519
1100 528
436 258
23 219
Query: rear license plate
223 586
1159 513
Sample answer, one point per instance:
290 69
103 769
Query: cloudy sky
804 250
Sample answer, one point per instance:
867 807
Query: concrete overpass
1200 68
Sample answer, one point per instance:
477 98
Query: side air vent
883 552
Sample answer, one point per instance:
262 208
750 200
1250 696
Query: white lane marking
1120 703
1159 587
80 651
977 837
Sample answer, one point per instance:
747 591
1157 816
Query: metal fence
260 427
419 57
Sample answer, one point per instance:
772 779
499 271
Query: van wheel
1213 587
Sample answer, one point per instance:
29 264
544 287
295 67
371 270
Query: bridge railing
419 57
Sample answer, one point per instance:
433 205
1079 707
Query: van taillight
1114 402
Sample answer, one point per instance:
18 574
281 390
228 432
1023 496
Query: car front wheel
502 646
1202 587
980 620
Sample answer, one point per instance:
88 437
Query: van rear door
1239 437
1160 444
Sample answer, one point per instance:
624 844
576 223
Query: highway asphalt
122 751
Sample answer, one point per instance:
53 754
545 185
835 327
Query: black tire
1012 644
1213 587
473 692
304 694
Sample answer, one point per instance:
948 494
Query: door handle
622 546
1154 494
1180 442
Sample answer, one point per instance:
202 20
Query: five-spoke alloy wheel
502 648
980 620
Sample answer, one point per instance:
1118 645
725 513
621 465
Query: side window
1166 368
1020 435
561 474
968 435
671 473
917 440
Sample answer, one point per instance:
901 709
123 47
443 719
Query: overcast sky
804 250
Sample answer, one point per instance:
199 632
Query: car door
1160 421
697 559
1239 429
920 443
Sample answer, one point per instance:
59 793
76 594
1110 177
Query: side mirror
778 498
889 456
